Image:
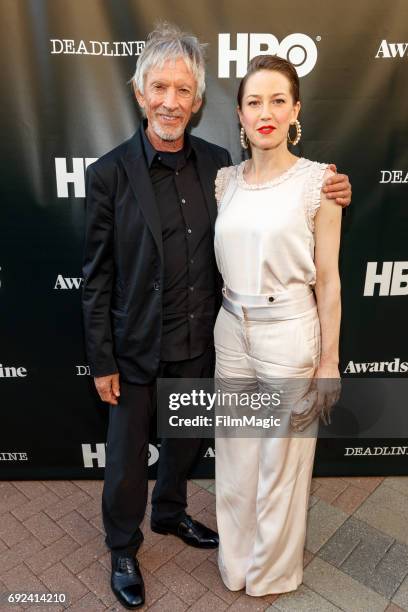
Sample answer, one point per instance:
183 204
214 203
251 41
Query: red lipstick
266 129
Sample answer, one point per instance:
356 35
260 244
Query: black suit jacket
123 259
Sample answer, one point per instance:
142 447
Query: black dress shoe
190 531
127 582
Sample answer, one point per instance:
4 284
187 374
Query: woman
277 241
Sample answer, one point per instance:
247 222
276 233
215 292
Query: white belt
278 306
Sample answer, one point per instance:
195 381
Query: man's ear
197 105
139 97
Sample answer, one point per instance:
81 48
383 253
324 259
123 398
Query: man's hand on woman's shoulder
338 187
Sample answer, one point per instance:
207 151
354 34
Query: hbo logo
297 48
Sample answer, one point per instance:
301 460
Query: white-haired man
151 291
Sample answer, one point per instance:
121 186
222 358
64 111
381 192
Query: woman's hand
327 383
322 395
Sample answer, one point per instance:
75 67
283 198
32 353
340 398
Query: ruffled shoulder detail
222 179
318 174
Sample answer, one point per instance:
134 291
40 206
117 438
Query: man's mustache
168 114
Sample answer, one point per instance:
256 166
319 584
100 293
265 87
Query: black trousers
124 495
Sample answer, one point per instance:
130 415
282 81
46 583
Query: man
151 294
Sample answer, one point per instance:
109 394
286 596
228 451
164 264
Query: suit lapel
206 174
140 182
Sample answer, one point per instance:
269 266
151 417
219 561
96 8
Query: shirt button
159 158
177 172
189 231
191 288
191 261
191 316
270 299
183 201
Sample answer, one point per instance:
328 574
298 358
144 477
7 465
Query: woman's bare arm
327 289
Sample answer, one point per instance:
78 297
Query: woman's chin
266 146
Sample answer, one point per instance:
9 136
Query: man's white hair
168 42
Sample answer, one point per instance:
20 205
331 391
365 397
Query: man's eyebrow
162 81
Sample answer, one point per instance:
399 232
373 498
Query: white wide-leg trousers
263 484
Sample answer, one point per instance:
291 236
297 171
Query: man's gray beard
167 136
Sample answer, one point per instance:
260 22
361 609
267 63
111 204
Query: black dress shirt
189 262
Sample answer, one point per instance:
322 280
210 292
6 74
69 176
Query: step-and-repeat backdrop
66 101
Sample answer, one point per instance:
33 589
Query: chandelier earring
243 138
298 133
